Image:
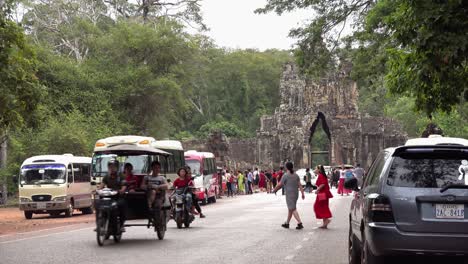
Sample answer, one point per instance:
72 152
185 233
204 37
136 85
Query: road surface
244 229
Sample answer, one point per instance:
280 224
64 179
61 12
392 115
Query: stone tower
286 135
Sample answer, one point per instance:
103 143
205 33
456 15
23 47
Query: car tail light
380 209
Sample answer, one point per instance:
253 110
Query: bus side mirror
15 179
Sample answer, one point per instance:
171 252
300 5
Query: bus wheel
70 209
28 214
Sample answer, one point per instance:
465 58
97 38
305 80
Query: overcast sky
233 24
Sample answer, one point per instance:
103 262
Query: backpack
349 174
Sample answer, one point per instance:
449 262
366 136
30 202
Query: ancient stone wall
286 135
353 139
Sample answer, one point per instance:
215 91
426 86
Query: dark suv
412 202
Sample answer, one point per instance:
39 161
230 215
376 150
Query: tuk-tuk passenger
132 180
113 181
156 186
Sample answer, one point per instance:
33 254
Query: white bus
104 148
176 160
55 184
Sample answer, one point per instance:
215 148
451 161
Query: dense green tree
20 92
421 45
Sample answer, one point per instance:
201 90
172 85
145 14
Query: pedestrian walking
341 189
229 183
241 182
256 179
269 178
321 205
280 175
291 183
358 173
262 181
308 181
335 178
250 180
275 178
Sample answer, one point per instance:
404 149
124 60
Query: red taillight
380 209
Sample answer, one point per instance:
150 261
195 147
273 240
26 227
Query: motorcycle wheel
187 220
117 234
160 223
101 232
178 220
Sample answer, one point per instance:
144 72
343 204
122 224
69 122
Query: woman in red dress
321 206
262 182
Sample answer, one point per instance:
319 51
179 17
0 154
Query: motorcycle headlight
24 200
60 199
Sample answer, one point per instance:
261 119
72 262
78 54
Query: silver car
412 202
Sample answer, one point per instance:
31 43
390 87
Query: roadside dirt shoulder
12 221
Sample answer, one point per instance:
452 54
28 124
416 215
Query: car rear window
429 169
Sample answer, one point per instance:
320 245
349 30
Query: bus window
77 175
69 174
86 172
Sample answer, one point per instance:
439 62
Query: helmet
113 161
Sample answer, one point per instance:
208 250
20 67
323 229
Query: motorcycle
107 216
159 218
180 212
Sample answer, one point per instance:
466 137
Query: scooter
180 212
107 216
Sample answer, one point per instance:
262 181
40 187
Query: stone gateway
333 102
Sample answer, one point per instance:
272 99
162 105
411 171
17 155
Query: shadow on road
427 260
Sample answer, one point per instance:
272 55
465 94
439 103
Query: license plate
450 211
41 205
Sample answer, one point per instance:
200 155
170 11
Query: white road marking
29 238
298 247
289 257
305 239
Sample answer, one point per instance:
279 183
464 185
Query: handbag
321 197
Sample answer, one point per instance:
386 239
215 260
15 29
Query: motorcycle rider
182 182
194 197
113 181
156 185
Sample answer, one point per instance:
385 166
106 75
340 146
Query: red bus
203 166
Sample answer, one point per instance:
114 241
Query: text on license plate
450 211
41 205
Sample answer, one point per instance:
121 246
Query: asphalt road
244 229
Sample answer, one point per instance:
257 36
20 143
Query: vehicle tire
161 229
101 232
205 200
70 210
178 219
117 234
87 210
213 199
28 214
353 248
187 220
367 257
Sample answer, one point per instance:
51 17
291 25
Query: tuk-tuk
139 152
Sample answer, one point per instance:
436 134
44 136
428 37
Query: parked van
55 184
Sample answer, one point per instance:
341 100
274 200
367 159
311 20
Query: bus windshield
194 166
140 163
43 174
